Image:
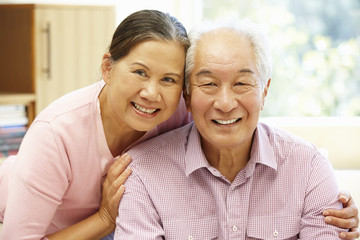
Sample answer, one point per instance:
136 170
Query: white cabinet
50 50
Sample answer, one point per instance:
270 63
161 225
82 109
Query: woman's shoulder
71 102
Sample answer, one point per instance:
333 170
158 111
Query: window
315 50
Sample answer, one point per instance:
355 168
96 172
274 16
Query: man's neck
229 162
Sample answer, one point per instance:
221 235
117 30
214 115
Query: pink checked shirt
174 193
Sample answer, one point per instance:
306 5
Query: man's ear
187 98
106 67
265 92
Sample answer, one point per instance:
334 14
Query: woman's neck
119 136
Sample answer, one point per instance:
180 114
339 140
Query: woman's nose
151 91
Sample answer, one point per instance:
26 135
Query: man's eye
241 84
140 73
210 84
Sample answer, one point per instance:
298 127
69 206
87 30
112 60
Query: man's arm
321 193
137 217
345 218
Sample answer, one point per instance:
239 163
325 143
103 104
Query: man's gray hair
253 32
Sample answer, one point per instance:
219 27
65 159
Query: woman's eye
169 80
140 73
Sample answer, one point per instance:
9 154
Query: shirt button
234 228
190 238
276 233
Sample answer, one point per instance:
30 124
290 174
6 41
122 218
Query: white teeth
226 122
144 110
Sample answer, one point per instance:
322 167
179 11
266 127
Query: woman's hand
113 188
344 218
102 222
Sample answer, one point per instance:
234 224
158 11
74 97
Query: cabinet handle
47 31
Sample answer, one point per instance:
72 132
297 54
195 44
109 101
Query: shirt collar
261 152
194 155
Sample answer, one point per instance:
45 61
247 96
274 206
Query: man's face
225 93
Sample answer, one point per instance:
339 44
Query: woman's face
144 87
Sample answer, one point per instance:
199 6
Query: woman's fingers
348 223
353 234
346 218
113 186
118 167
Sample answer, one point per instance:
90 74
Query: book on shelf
13 126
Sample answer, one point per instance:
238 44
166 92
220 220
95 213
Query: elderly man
227 176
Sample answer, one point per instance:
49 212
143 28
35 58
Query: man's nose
151 91
225 100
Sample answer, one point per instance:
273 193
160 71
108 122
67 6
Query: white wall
340 136
189 12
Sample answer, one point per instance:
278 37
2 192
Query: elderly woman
227 176
53 188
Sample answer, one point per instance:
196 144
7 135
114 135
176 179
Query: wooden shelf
27 99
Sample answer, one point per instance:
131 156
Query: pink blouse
56 178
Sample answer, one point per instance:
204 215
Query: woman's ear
106 67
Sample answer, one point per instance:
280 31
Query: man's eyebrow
244 70
203 72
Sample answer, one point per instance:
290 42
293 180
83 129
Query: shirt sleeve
137 217
37 185
321 193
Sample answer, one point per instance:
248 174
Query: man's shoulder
283 137
288 147
169 142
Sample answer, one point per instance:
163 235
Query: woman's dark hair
146 25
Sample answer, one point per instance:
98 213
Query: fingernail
345 198
328 220
127 170
326 213
126 157
342 235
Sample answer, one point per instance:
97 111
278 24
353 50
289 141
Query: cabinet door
70 42
16 49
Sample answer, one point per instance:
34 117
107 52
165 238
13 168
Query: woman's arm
37 183
344 218
40 180
102 223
